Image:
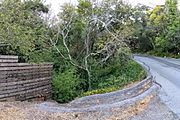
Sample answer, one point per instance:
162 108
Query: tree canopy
22 29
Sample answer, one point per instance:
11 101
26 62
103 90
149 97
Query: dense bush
163 54
65 86
68 85
129 73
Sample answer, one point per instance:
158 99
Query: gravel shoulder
149 108
156 110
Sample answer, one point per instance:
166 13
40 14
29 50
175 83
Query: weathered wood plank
24 68
8 61
24 82
26 87
32 71
8 57
24 91
4 76
23 64
42 95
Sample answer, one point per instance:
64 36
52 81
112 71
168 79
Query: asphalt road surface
166 72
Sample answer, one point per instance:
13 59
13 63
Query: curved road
166 72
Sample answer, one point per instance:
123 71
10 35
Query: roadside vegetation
159 31
91 44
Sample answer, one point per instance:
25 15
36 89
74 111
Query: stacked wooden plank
22 81
8 59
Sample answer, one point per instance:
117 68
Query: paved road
167 73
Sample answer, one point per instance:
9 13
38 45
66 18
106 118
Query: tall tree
173 27
92 35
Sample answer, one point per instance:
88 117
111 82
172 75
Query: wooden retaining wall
22 81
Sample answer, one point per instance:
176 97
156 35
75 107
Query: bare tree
92 22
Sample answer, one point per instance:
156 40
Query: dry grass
131 110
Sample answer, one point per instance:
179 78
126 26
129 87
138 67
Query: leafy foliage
23 31
131 72
161 31
65 86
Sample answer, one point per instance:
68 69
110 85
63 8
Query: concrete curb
97 108
115 96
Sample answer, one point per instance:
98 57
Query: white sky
55 4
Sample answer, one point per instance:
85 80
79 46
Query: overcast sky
56 3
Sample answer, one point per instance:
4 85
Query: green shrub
68 83
133 71
100 91
163 54
65 86
127 74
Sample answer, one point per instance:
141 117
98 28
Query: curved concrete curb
112 97
54 108
108 101
117 96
